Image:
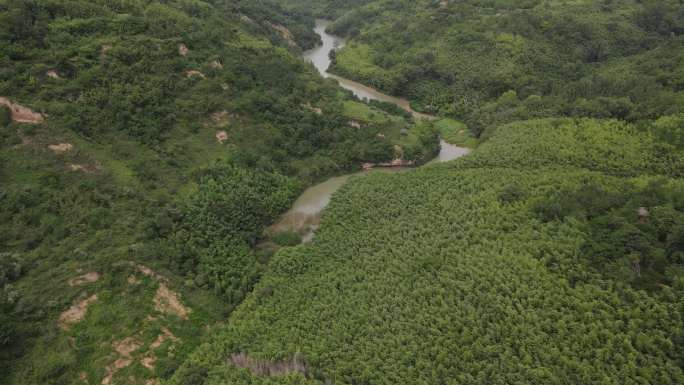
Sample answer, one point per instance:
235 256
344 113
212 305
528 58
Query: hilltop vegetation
329 9
494 62
497 268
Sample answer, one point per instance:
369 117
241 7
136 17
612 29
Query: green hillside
497 268
146 146
493 62
162 138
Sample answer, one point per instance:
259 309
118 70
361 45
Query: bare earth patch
146 271
61 148
192 73
150 358
183 49
53 74
90 277
166 301
285 34
216 65
132 280
124 349
21 114
75 313
104 49
221 136
76 167
354 124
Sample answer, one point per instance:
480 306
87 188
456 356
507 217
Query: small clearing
183 49
124 349
354 124
104 50
90 277
150 358
216 65
21 114
167 301
76 167
75 313
52 74
284 33
221 136
193 73
61 148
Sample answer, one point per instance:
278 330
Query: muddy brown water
304 216
320 58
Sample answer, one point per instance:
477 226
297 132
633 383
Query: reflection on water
304 216
319 55
449 152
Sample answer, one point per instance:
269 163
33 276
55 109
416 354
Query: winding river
304 216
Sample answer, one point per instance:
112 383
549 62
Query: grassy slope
427 277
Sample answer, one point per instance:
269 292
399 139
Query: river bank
304 216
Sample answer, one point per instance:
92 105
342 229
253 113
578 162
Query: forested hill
493 62
327 9
540 259
144 146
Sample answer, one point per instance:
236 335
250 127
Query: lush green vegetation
497 268
330 9
174 132
495 62
455 132
212 237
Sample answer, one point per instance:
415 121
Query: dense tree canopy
145 146
499 61
497 268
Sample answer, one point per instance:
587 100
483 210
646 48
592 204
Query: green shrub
5 116
287 238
